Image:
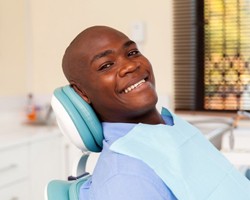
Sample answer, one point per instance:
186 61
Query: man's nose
127 67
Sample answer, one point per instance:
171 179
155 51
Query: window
212 54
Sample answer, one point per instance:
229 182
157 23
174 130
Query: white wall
12 47
47 27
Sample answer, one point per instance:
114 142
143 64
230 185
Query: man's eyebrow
128 43
107 52
100 55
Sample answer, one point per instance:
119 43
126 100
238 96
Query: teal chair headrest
77 120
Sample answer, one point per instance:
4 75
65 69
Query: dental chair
77 121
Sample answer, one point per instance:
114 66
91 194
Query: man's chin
146 103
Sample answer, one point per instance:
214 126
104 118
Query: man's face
117 79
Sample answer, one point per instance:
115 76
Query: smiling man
146 155
108 71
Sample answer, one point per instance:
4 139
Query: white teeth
130 88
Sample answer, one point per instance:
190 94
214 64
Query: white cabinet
28 161
46 161
15 191
31 158
14 173
13 165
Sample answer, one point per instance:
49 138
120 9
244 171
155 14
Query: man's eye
134 52
105 66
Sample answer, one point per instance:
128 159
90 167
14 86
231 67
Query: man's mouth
132 87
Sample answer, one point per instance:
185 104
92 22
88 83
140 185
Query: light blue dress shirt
120 177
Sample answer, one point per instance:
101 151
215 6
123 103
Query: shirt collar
113 131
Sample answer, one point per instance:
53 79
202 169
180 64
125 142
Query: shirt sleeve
129 187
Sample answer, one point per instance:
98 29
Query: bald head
76 57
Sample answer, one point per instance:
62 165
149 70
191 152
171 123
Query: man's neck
150 117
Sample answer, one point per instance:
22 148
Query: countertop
15 130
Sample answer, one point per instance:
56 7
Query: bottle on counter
31 109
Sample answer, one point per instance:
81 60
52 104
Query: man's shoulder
123 177
113 165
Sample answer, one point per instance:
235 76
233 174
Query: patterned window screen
212 54
227 55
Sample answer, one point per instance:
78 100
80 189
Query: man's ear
81 93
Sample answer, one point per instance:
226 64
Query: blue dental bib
185 160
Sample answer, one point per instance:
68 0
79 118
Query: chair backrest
77 121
